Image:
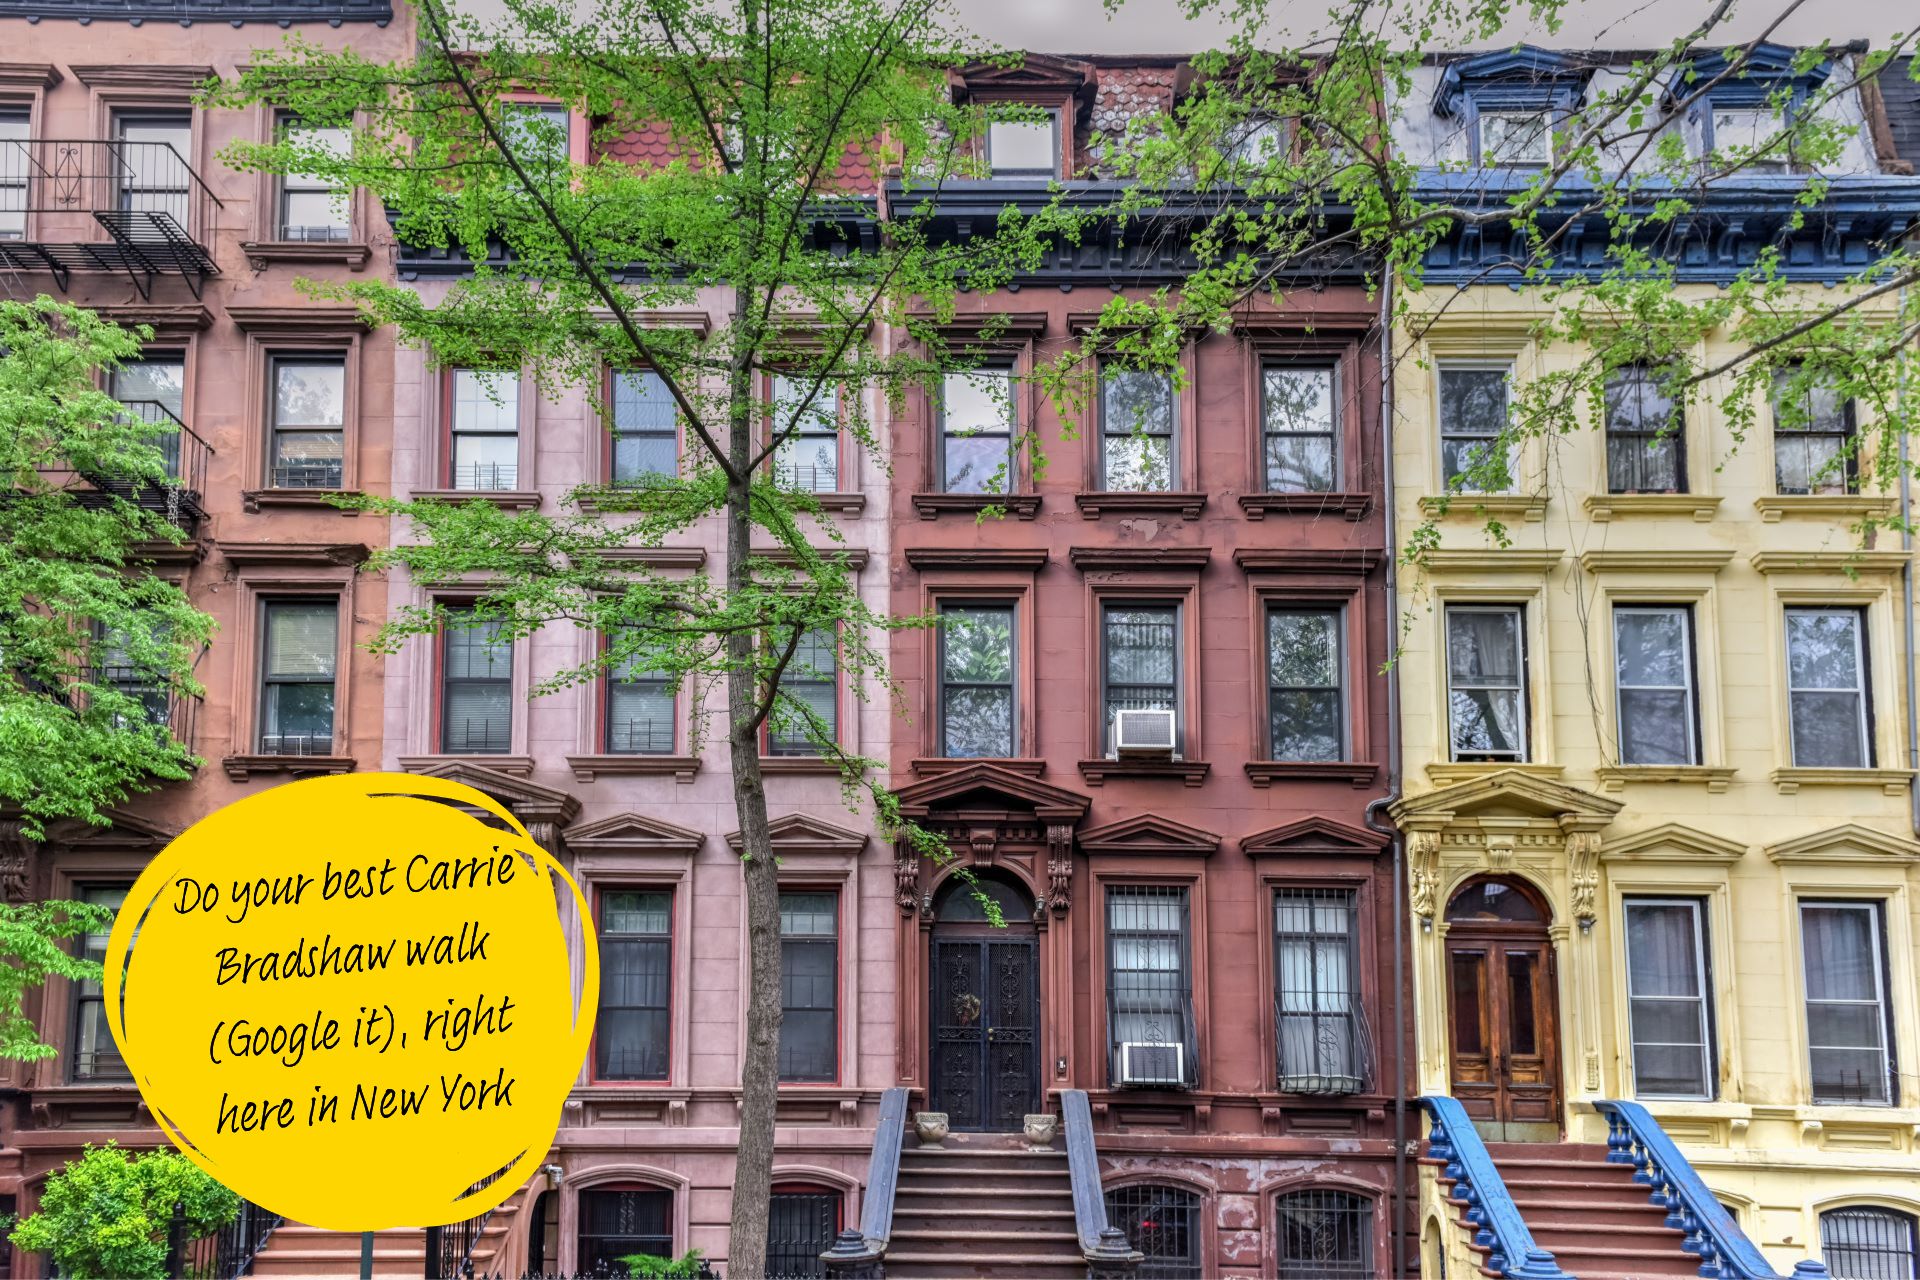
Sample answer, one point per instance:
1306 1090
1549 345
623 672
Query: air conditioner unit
1142 1063
1143 734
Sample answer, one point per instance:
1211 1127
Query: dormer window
1508 104
1747 132
1257 140
1516 139
1024 148
1748 105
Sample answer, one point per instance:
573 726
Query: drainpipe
1378 807
1906 587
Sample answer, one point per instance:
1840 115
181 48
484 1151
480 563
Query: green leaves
105 1215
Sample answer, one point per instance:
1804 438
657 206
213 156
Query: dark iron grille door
1324 1235
1865 1243
959 1032
1010 1034
617 1224
800 1227
985 1015
1163 1223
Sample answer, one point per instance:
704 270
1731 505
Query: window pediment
801 833
1148 834
1523 78
528 801
1672 842
634 833
1847 843
987 786
1507 792
1763 71
1316 837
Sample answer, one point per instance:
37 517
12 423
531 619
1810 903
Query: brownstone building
1151 725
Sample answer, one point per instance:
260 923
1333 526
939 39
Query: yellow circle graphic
352 998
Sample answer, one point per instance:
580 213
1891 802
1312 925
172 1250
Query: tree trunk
760 1070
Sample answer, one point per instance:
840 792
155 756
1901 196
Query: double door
984 1007
1503 1029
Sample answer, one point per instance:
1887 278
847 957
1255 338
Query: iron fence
226 1254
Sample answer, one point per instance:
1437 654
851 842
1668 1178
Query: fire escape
132 207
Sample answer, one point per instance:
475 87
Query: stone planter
930 1127
1039 1130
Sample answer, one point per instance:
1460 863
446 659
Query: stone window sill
931 506
505 499
1357 773
255 499
1186 505
1529 506
1258 506
1611 506
1826 506
1891 781
588 768
264 253
241 767
846 503
1615 777
1191 772
1444 773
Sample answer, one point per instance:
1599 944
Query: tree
778 120
106 1214
93 644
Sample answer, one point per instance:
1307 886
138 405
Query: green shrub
105 1215
649 1266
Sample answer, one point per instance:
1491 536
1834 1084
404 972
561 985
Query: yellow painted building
1656 797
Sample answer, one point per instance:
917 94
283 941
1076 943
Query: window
1670 999
1473 415
806 418
476 694
1487 682
976 681
1141 663
309 422
115 669
150 150
1754 133
153 389
1516 139
1163 1223
95 1055
1136 431
298 651
801 1225
540 133
1849 1021
636 985
640 707
311 207
1324 1046
1863 1242
1149 987
16 132
484 424
646 428
1827 688
1301 429
812 679
617 1222
1324 1235
1024 148
1653 684
1258 140
809 986
976 431
1306 715
1646 445
1813 438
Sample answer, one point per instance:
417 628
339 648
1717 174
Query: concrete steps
983 1207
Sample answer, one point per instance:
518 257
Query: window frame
606 685
672 1205
942 435
1875 910
1342 695
969 604
1177 607
441 683
79 1000
772 745
830 1076
150 114
668 1012
281 357
1674 433
812 1191
1847 439
1691 689
1051 172
1102 463
1189 1203
615 434
1902 1217
1525 754
795 440
1183 990
1444 365
267 682
1362 1206
1335 433
1548 131
1359 1047
1862 692
1698 906
285 124
14 112
452 432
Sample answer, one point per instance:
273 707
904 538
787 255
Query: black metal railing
161 708
857 1254
450 1248
324 473
226 1254
184 456
1325 1046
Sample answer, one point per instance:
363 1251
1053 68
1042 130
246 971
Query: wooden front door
1503 1021
984 1010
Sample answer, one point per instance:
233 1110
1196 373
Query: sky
1157 26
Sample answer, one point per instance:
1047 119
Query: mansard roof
987 786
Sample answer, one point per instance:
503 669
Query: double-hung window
1654 684
640 706
153 390
976 430
1136 431
311 207
1827 688
1670 998
485 430
1306 711
1316 958
1140 663
476 690
1149 987
1024 148
977 699
1813 438
95 1054
309 422
1487 682
1646 444
149 154
1849 1018
1750 139
116 669
1867 1242
1473 418
1300 429
1515 139
636 985
806 421
646 428
300 646
812 679
809 985
16 154
540 135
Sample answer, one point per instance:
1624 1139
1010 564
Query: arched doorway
984 1005
1503 1018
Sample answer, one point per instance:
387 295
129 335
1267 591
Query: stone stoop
983 1206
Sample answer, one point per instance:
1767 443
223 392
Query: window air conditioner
1142 1063
1143 734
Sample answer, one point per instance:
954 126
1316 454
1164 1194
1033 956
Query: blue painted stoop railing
1634 1137
1496 1222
